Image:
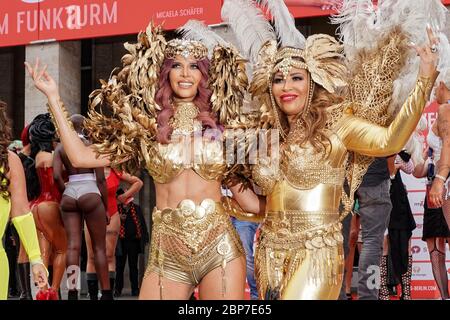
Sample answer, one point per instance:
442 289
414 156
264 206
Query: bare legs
111 237
52 236
210 288
91 208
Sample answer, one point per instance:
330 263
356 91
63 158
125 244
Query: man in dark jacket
133 236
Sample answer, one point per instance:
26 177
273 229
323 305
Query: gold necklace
184 120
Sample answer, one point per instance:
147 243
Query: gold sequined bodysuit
300 253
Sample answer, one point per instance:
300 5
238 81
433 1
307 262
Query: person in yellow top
14 203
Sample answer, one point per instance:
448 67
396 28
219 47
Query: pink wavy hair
165 93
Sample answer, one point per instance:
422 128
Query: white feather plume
197 30
444 54
356 20
414 146
361 25
287 32
249 25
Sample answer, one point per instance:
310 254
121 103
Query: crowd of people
336 122
65 201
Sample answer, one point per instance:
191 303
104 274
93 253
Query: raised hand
429 55
42 80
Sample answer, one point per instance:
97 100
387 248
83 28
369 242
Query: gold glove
372 140
233 208
26 229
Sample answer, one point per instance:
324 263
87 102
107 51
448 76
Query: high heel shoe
49 294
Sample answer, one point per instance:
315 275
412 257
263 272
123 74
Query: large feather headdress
384 69
227 77
362 26
122 113
279 48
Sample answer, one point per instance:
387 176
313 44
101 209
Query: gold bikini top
302 168
206 158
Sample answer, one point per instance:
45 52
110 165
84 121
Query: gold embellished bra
301 168
205 157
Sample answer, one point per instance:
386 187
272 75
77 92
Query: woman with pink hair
158 112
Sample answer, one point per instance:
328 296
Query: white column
63 60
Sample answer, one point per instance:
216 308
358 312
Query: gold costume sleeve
372 140
26 229
234 209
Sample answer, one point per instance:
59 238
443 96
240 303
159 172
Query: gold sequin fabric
187 243
371 95
285 239
303 168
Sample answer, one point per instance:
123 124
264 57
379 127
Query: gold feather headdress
186 48
282 48
122 114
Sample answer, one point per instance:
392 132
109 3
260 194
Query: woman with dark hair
14 203
177 86
324 136
45 196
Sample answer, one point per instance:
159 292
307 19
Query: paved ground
125 296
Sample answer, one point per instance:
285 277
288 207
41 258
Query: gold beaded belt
293 229
190 222
294 221
187 214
